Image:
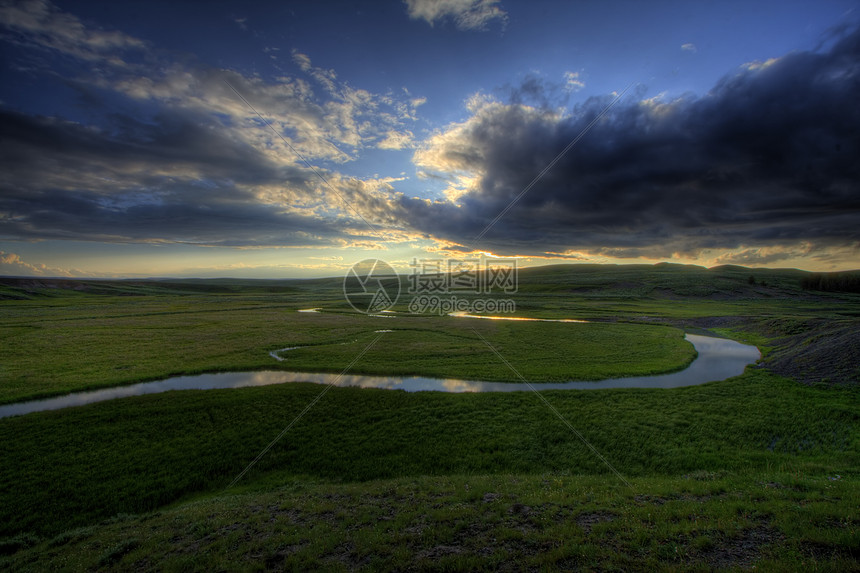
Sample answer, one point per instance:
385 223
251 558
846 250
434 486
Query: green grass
450 348
58 346
730 474
67 345
70 468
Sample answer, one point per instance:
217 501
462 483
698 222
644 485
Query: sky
294 139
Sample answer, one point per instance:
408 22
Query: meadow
759 470
57 348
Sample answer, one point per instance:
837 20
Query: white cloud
13 264
241 22
573 82
302 60
689 48
321 116
758 256
40 23
467 14
477 101
759 65
396 140
327 78
332 122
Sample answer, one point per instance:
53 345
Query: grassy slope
727 474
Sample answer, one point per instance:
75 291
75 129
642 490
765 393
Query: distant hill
30 287
663 280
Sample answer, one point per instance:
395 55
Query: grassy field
759 470
62 345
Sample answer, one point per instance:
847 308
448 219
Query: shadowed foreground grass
700 521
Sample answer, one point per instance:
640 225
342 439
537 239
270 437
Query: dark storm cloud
768 157
227 222
174 179
171 143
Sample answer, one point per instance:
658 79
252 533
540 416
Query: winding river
718 359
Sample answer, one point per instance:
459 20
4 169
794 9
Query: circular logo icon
371 285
